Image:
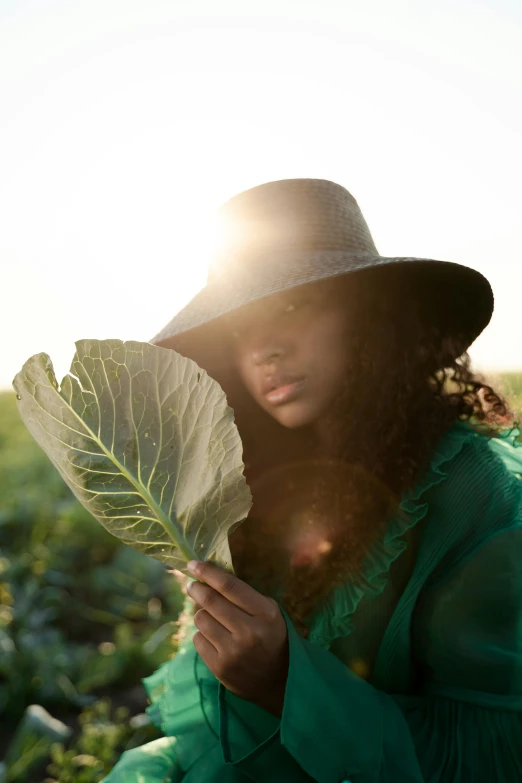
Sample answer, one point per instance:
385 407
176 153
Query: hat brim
459 297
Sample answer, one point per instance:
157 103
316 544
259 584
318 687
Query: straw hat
286 233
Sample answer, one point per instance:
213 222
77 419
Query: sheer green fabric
414 678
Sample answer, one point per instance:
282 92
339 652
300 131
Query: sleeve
335 727
154 762
464 722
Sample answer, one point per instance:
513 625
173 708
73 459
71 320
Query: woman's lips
285 393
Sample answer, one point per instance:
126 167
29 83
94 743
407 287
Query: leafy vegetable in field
146 441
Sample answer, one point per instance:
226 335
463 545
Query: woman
371 633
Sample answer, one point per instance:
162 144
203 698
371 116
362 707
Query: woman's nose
267 354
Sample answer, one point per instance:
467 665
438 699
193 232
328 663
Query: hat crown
293 215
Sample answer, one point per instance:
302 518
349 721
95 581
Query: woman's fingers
211 629
206 650
229 616
233 589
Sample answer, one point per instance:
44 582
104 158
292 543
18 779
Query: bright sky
125 123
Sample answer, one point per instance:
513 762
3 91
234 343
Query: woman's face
296 341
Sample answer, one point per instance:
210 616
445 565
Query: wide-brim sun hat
283 234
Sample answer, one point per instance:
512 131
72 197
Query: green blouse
415 676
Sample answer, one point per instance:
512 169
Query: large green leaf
146 441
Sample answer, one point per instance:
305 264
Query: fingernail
193 566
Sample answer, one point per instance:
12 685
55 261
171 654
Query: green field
81 617
511 384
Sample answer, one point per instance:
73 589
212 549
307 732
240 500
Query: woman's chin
293 416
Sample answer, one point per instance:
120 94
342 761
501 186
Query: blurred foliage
102 739
43 744
81 614
511 385
34 737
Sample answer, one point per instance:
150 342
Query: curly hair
318 505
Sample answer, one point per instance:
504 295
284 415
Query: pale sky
124 124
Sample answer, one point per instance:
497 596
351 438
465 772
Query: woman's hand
241 636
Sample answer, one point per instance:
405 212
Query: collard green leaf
146 441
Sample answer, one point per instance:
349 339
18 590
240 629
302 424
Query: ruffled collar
334 618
